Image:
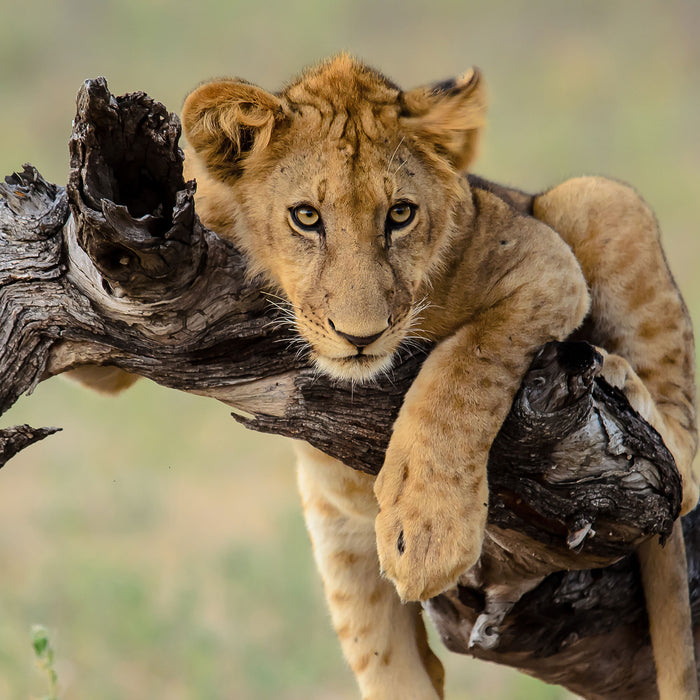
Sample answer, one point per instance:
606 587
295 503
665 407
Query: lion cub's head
344 190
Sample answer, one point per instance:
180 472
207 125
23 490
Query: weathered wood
118 270
14 440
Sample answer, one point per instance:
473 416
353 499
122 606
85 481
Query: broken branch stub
134 214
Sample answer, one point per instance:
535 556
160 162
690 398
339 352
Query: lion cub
348 193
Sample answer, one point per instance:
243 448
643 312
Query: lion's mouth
360 367
362 358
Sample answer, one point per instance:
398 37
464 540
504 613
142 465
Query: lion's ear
449 115
229 121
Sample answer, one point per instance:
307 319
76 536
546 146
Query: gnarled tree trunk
117 269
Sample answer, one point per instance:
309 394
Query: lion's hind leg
663 569
636 310
638 314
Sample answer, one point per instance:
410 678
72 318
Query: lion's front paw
430 526
618 372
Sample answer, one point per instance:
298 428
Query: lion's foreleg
383 640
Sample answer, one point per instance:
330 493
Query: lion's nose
359 341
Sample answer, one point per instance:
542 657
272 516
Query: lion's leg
638 314
105 379
383 640
663 569
636 309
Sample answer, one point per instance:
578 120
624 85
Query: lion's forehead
345 106
347 133
344 130
354 123
346 167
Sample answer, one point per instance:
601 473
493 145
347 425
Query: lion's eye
400 215
306 217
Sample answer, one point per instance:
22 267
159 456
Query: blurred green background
162 544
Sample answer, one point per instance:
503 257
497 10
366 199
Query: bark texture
117 269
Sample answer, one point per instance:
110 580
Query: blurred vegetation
162 545
43 651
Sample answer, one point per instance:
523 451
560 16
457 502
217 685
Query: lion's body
347 193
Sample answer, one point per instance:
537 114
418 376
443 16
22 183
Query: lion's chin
354 368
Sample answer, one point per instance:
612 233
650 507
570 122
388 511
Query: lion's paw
429 531
618 372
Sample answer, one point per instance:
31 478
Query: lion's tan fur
490 284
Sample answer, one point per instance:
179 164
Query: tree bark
116 269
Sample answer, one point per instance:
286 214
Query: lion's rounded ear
449 114
229 121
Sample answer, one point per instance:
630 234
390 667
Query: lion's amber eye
306 217
401 215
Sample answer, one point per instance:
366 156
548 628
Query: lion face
347 236
342 190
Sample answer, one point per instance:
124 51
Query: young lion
348 193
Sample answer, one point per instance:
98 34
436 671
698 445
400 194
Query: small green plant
45 659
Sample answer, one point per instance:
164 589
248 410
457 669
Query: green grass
43 651
163 545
